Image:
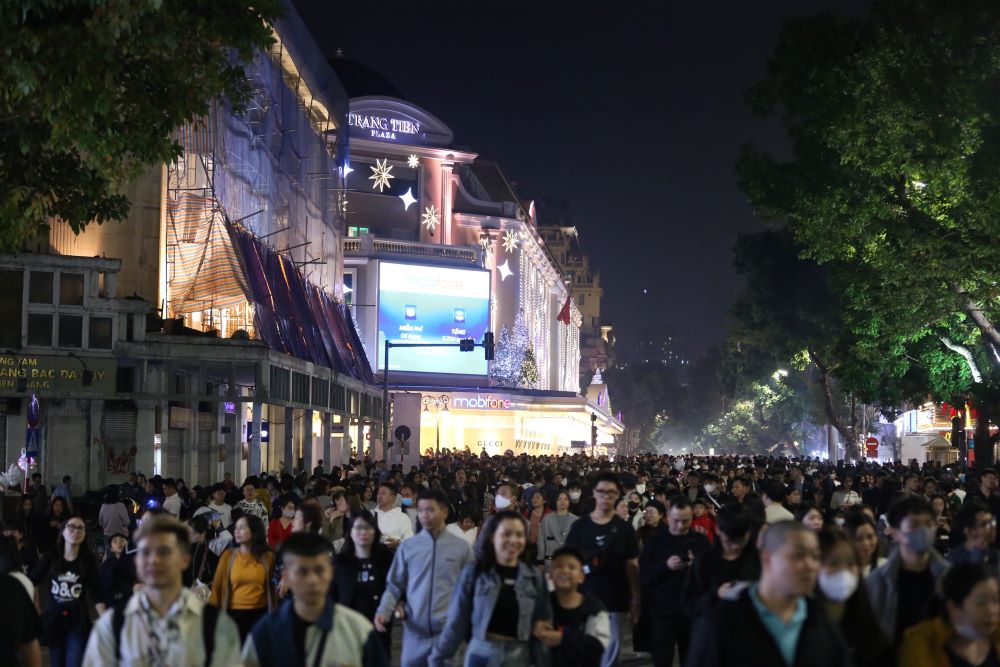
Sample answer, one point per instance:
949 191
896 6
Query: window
102 284
354 232
70 331
40 329
70 289
100 333
11 301
40 287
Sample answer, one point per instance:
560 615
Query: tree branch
966 354
975 311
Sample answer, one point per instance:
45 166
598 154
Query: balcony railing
368 244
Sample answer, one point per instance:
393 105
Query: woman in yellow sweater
968 633
242 584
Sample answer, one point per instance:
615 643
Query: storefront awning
294 316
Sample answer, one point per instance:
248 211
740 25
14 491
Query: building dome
360 80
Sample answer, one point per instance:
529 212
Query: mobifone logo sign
479 402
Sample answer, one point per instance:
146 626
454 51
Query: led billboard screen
432 304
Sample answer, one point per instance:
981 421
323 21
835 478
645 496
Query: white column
446 174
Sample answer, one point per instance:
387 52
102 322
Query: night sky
633 118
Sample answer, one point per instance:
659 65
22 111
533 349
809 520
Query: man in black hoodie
663 566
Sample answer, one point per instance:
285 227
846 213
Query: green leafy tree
90 91
895 143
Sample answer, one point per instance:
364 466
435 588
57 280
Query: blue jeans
486 653
618 623
70 652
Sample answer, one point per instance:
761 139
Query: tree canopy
890 189
91 90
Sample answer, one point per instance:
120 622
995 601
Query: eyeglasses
991 523
363 529
76 527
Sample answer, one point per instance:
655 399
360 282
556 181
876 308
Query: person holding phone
663 567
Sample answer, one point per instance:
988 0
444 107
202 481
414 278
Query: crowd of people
523 561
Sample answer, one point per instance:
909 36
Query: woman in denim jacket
503 598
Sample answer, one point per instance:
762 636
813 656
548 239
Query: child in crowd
703 521
580 629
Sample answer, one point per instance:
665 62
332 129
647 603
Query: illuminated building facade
202 335
597 338
440 247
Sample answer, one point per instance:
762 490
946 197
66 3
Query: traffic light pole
467 345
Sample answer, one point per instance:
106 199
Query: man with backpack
165 624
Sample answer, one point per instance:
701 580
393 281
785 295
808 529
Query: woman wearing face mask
278 531
841 594
504 498
554 529
943 516
968 633
499 600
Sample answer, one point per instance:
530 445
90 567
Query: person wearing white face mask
504 497
968 633
840 593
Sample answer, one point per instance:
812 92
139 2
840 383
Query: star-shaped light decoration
486 242
430 218
511 240
505 271
413 162
381 174
408 199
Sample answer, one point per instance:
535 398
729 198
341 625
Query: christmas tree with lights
514 363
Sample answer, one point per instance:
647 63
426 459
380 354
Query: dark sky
631 112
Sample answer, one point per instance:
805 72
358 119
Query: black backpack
209 619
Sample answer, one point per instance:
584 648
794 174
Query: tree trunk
983 443
828 407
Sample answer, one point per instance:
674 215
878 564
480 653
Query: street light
440 404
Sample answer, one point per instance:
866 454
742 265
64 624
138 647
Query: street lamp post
440 404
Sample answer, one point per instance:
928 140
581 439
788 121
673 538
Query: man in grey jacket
422 579
902 588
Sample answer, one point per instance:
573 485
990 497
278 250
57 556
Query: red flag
563 315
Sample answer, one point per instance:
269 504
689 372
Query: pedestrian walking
499 601
242 586
164 624
422 580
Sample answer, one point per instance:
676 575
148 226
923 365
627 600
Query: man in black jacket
773 622
663 566
732 559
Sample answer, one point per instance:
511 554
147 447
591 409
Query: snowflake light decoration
505 271
413 162
430 218
381 174
511 240
408 199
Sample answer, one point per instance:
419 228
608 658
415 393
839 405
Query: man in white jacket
394 525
